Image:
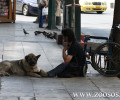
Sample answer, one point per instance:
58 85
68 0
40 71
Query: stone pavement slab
8 98
39 98
13 55
13 46
16 86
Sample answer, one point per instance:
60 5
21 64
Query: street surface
97 24
91 22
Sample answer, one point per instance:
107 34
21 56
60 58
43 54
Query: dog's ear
38 56
26 58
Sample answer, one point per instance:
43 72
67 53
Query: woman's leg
57 70
41 17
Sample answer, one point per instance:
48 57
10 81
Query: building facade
110 4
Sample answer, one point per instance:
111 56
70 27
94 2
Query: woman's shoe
35 21
41 26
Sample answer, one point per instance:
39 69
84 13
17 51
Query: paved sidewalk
15 45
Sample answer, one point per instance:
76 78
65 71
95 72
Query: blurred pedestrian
58 12
41 6
39 18
58 9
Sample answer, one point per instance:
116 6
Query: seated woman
73 55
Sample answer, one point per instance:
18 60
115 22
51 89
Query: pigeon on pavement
25 32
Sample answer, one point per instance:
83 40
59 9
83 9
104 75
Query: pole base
58 20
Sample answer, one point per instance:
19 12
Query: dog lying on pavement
23 67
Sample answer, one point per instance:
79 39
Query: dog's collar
22 66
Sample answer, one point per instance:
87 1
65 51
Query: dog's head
31 59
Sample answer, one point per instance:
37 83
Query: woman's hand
65 46
67 58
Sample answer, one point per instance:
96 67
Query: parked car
93 5
28 7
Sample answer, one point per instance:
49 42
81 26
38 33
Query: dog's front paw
43 73
38 76
37 73
1 74
7 74
4 74
34 75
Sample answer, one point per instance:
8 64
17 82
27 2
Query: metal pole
51 14
78 23
73 15
65 2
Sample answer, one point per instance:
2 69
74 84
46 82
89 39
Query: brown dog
26 66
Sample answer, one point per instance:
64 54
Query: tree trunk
115 33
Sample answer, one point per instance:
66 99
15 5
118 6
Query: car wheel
99 12
25 10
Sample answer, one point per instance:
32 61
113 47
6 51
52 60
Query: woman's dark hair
67 32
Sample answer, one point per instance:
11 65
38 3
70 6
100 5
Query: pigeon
44 33
25 32
37 32
52 36
49 35
55 35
